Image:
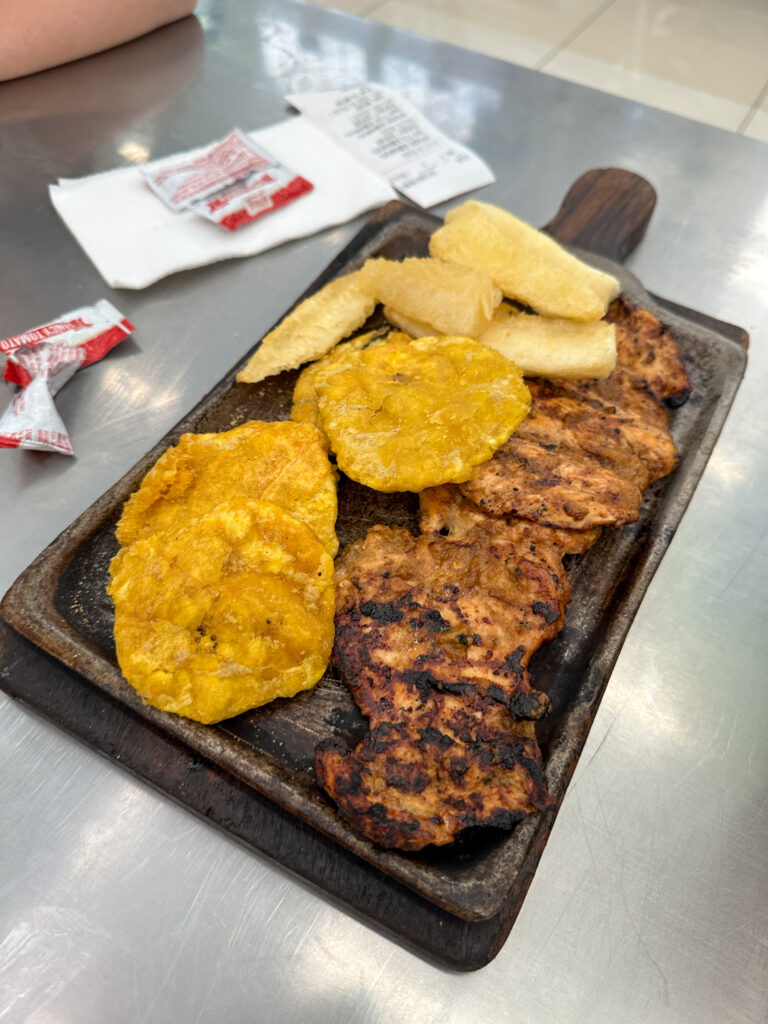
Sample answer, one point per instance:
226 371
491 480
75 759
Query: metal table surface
651 900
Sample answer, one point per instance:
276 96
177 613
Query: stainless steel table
651 900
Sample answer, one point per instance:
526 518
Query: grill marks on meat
638 441
459 616
649 353
579 427
433 638
588 449
554 485
434 633
445 511
422 777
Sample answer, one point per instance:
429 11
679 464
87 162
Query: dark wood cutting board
252 777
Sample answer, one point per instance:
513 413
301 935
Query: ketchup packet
42 360
232 182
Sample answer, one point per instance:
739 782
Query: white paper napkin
134 240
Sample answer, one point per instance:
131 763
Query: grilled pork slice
554 485
444 510
649 352
620 394
588 449
628 430
642 421
578 427
449 763
433 639
460 616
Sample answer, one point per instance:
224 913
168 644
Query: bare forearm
39 34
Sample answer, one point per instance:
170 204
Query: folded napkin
134 240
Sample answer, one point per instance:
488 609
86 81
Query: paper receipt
387 134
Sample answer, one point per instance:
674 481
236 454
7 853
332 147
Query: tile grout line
573 34
750 114
374 5
366 12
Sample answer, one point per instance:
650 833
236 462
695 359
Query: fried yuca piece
519 232
414 328
552 347
226 612
312 328
409 414
454 300
475 240
285 463
541 346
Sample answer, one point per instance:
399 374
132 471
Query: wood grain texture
606 212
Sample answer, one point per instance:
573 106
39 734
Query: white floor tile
519 31
704 59
645 88
716 46
758 126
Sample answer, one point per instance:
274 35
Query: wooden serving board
252 776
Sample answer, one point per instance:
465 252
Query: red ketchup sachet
231 182
42 360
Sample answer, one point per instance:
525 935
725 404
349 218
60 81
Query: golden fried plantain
409 414
285 463
226 611
304 408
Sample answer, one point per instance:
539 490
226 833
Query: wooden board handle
606 212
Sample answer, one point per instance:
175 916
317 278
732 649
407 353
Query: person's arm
38 34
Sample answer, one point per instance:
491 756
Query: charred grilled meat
588 449
648 353
463 616
422 776
445 511
434 634
554 485
433 639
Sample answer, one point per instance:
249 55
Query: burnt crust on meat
434 634
433 639
649 352
462 616
589 448
451 763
